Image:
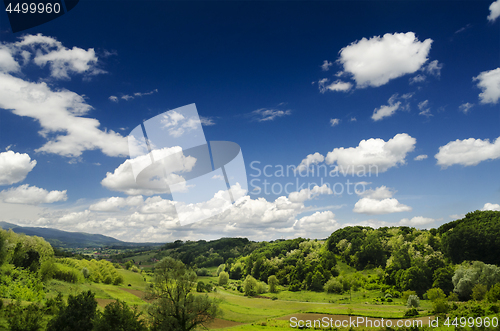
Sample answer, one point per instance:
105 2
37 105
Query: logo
169 154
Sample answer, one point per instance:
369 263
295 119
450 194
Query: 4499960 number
472 322
33 8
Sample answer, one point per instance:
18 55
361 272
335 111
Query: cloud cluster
31 195
14 167
59 112
128 97
467 152
378 202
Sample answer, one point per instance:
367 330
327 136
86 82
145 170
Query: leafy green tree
118 316
223 278
479 292
24 318
220 269
250 286
77 315
273 283
442 279
494 293
435 293
333 286
174 307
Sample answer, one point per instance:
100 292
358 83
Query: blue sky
411 88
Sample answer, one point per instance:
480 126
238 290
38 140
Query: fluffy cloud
14 167
465 107
467 152
31 195
375 61
420 157
387 110
58 112
61 60
116 203
308 194
378 207
491 206
417 79
494 11
379 193
263 114
374 153
434 68
310 160
319 222
489 83
416 221
206 121
122 179
338 85
7 62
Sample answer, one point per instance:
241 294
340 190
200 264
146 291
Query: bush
453 297
69 276
413 301
406 294
261 288
440 306
410 313
250 286
493 309
295 286
223 278
333 286
118 316
435 294
24 319
202 272
118 280
494 293
200 287
479 292
272 281
77 315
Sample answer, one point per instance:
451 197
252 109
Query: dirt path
140 294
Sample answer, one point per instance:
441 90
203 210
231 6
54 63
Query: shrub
435 294
413 301
494 293
406 294
223 278
261 287
493 309
479 292
24 318
200 287
272 281
333 286
453 297
440 306
250 286
118 316
202 272
410 313
69 276
295 286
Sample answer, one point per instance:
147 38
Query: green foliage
20 284
273 283
223 278
202 272
435 294
479 292
406 294
412 312
494 293
118 316
469 275
442 279
174 307
78 315
27 318
250 286
413 301
220 269
333 286
475 237
440 306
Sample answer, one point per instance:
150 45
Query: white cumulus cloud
373 154
420 157
494 11
378 207
31 195
467 152
489 83
416 221
375 61
491 206
14 167
386 110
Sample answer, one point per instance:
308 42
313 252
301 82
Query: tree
413 301
77 315
118 316
223 278
24 318
250 286
174 307
272 281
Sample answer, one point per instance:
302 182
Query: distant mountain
66 239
